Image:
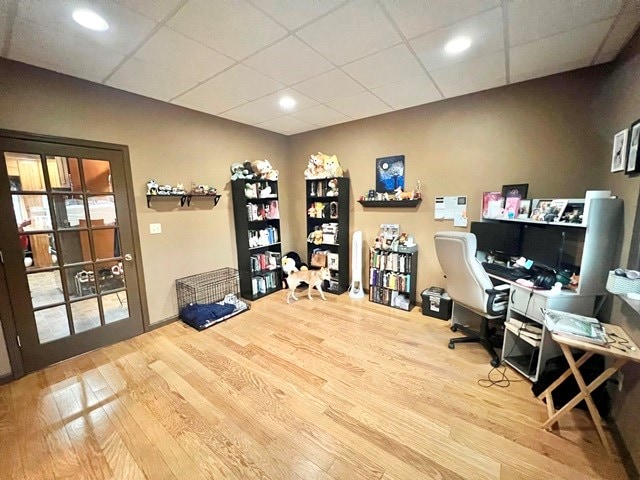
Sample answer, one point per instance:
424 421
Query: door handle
513 292
128 257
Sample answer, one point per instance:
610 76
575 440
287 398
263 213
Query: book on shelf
535 342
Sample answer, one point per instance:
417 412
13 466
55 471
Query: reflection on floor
52 322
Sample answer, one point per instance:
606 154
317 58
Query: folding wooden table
622 350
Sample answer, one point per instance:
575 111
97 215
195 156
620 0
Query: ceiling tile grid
340 60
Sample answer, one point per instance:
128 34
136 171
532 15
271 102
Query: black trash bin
436 303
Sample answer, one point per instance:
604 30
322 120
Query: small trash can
436 303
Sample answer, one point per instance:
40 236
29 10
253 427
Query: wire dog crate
220 286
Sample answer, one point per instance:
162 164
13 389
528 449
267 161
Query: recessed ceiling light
287 103
457 45
90 20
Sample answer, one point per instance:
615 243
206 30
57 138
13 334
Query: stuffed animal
315 237
315 168
263 238
292 262
263 170
332 166
311 211
238 171
265 191
249 190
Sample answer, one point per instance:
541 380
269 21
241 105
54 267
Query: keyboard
503 271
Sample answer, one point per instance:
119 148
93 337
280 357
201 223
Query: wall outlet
155 228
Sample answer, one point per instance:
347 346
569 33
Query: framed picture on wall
619 155
389 173
633 164
518 190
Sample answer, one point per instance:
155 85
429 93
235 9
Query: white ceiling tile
623 29
550 70
126 27
321 115
52 49
361 105
252 113
329 86
474 75
484 30
244 82
388 66
144 79
208 99
415 17
289 61
409 93
295 13
234 28
287 125
351 32
302 101
173 51
533 20
155 9
551 53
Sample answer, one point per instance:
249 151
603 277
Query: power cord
503 381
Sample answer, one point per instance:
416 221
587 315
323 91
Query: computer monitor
543 245
498 238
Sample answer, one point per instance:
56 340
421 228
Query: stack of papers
571 325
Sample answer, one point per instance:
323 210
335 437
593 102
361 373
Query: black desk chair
471 288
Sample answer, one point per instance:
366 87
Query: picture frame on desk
524 210
619 154
633 162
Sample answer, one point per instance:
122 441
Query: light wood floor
342 389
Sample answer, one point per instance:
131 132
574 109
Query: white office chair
471 288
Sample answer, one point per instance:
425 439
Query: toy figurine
152 187
333 188
265 191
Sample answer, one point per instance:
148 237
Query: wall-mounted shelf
390 203
186 198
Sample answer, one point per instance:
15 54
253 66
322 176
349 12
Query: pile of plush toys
323 166
258 169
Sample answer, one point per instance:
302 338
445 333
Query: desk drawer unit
527 303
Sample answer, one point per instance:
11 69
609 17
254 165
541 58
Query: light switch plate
155 228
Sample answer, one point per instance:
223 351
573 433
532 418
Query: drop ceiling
340 60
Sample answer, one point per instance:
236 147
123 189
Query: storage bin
436 303
619 285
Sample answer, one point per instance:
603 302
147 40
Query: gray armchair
470 288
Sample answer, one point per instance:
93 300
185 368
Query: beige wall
167 143
616 107
537 132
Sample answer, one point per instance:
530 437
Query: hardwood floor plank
342 389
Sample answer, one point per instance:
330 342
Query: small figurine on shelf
312 211
164 190
400 195
418 189
152 187
333 188
250 190
265 191
315 236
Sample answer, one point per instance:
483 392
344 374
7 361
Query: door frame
6 312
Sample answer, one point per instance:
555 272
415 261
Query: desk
622 349
526 305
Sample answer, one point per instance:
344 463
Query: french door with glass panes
67 247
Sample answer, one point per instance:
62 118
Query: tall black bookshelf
328 212
256 213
